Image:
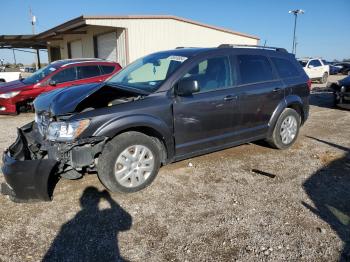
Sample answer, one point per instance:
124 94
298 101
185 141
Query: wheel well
25 106
152 133
299 110
2 80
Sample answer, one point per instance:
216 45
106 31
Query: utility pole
295 13
33 22
14 57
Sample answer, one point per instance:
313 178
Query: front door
204 120
63 78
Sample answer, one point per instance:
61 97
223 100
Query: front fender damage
31 169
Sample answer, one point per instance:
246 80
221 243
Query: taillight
309 84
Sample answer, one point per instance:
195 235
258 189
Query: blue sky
322 31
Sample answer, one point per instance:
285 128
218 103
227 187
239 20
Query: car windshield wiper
128 88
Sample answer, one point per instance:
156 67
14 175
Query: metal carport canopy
23 41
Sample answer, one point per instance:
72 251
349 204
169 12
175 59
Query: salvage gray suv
162 108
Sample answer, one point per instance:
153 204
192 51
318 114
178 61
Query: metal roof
81 22
21 41
77 26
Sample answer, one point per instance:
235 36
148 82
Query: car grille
42 120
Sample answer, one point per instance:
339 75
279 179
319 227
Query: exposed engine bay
106 96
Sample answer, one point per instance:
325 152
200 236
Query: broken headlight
66 131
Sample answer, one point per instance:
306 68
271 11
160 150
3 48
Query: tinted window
88 71
107 69
314 63
65 75
211 74
254 68
285 68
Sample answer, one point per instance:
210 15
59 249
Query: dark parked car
162 108
341 91
333 70
344 68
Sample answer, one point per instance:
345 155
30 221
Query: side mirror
187 87
310 66
52 83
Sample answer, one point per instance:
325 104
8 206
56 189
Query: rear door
203 120
260 91
88 74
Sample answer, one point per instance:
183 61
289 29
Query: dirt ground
209 208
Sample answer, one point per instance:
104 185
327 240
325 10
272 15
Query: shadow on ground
329 189
92 235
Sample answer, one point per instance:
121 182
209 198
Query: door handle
277 89
230 97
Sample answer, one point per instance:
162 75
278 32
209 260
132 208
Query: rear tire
129 162
286 130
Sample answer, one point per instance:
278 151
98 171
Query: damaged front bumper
26 178
32 169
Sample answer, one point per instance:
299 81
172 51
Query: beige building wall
139 37
151 35
87 41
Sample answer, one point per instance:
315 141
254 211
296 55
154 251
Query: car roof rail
278 49
182 47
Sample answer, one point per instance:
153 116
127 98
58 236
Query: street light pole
295 13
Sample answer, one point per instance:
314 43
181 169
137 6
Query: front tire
324 78
286 129
129 162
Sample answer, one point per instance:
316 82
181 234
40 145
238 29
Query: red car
17 96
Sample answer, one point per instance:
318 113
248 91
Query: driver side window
211 74
65 75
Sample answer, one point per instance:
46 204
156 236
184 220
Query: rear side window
65 75
284 67
88 71
107 69
254 68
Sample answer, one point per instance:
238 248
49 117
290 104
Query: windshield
303 63
39 75
148 73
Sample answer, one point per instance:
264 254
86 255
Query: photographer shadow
92 235
329 190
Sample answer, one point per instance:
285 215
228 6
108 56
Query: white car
315 68
9 76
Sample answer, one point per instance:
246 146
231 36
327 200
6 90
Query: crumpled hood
65 100
16 85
